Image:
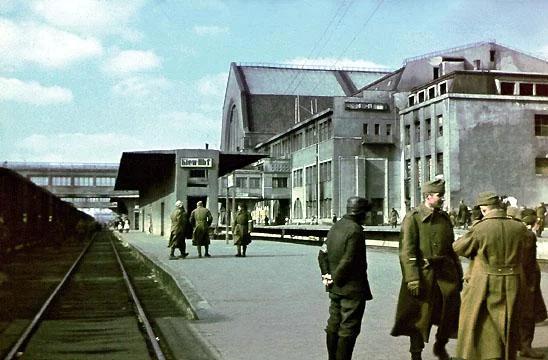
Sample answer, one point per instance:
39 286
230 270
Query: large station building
308 138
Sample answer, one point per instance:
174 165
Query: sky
83 81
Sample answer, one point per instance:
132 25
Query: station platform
271 304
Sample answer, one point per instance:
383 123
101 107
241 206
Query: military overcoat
426 254
488 324
200 219
179 223
533 308
240 226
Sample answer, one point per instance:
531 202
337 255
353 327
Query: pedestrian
431 275
126 225
489 315
241 230
266 220
394 217
541 214
179 223
201 220
343 265
533 308
334 218
462 215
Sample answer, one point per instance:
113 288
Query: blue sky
85 80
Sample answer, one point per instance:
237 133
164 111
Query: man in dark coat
533 308
343 264
201 220
431 275
241 231
178 230
541 214
489 315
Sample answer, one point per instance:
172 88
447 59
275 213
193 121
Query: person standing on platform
533 308
431 275
201 220
462 215
394 217
241 230
489 317
178 229
343 265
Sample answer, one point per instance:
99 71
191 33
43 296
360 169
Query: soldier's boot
345 347
528 352
199 251
244 250
439 349
207 251
332 340
416 355
238 250
172 254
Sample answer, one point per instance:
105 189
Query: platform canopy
140 169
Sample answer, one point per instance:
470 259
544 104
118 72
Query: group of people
491 310
196 226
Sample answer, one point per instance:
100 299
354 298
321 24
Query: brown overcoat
240 226
426 254
533 308
201 219
488 323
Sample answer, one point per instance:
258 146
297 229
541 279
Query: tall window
255 183
325 171
279 182
541 125
241 182
417 131
389 129
440 125
407 134
428 125
298 178
439 164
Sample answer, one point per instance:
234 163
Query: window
377 129
407 134
105 181
541 166
298 178
439 163
325 130
325 171
440 125
443 88
40 180
542 89
388 129
310 136
428 125
421 96
83 181
541 125
427 168
255 183
432 92
411 100
197 173
279 182
241 182
526 89
506 88
417 131
365 129
492 55
418 172
61 181
436 72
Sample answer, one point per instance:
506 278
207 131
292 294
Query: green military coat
240 226
201 219
426 254
488 324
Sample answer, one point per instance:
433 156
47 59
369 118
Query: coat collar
496 213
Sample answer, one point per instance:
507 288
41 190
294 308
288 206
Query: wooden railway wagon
31 215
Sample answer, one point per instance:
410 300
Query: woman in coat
240 230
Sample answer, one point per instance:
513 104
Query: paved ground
271 304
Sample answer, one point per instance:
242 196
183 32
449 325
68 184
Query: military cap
435 186
178 203
357 205
488 198
528 216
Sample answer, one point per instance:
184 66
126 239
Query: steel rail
150 332
38 317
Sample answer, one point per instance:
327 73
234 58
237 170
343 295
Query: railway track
106 305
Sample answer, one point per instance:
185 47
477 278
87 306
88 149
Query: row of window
427 94
427 134
255 182
521 88
78 200
73 180
377 129
424 172
308 136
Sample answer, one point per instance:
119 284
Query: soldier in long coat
201 220
178 230
431 275
533 308
240 230
343 264
489 315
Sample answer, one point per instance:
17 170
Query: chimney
207 146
